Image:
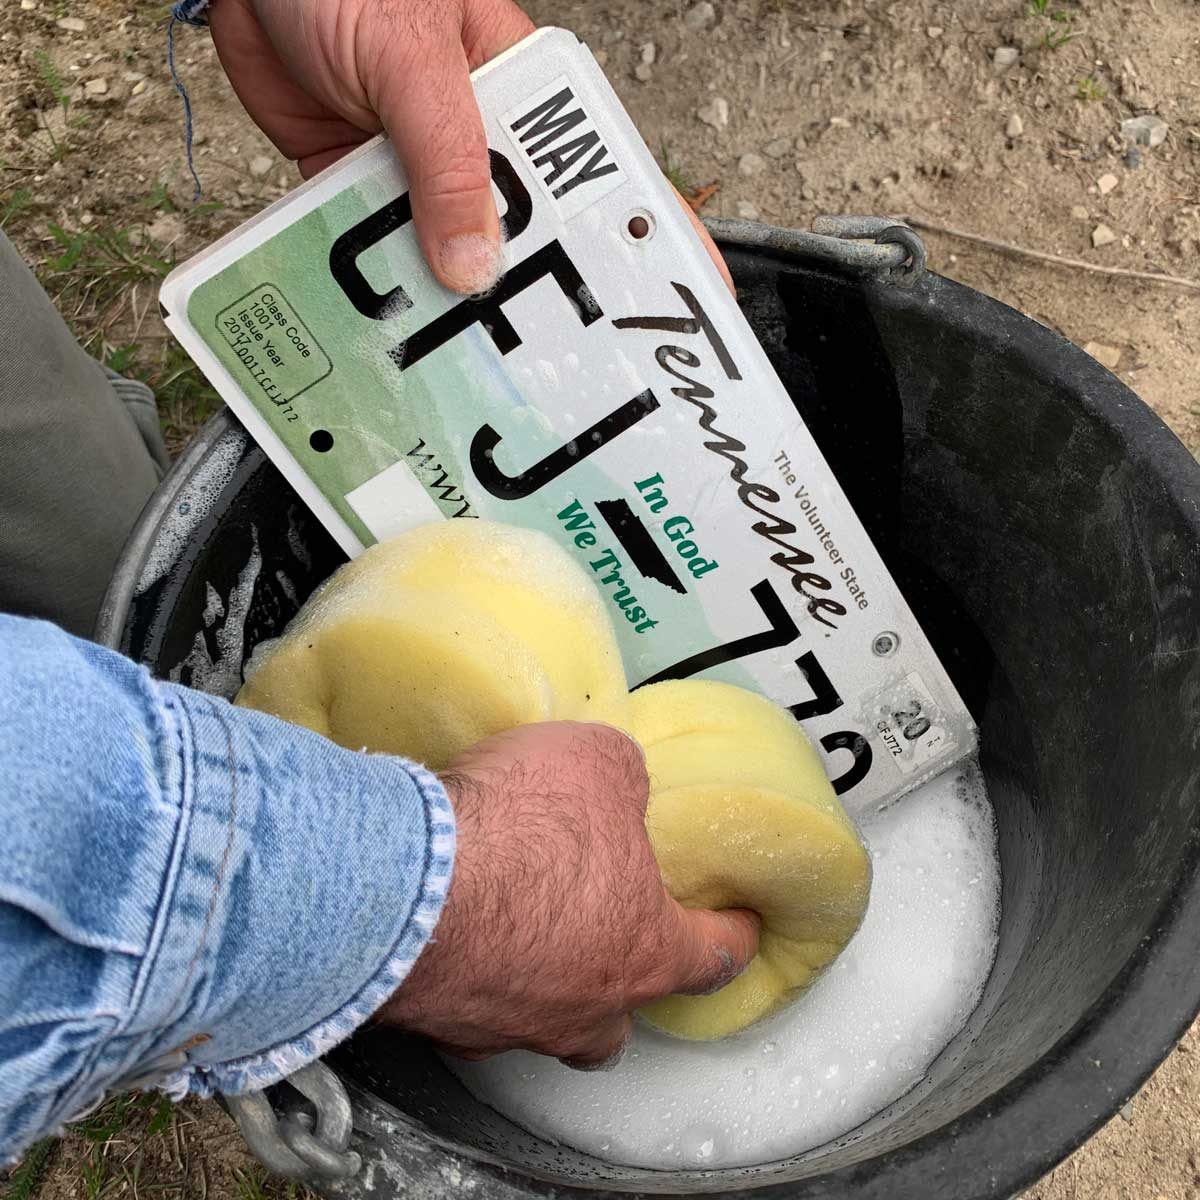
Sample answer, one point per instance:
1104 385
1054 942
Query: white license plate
609 393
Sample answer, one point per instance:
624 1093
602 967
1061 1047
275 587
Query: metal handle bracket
878 245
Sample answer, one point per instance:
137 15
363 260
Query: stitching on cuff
223 866
258 1071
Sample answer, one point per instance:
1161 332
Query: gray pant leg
79 456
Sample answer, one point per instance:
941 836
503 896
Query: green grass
673 171
17 203
1056 39
28 1173
104 279
141 1147
185 398
1089 89
256 1184
1053 38
51 81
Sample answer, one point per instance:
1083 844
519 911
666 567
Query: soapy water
194 503
863 1035
220 674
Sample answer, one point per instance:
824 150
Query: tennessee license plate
608 392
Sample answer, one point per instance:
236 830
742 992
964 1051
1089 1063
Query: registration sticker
608 392
909 725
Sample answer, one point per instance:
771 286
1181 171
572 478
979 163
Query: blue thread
189 12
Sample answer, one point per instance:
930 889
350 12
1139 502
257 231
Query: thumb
714 948
428 108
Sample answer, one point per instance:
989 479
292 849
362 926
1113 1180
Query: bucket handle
879 245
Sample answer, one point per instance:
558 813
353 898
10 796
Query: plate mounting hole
639 226
886 644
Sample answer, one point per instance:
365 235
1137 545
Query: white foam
222 675
863 1036
195 502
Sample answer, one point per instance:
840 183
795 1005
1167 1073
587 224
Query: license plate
609 392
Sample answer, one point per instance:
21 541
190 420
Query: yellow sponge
742 816
431 641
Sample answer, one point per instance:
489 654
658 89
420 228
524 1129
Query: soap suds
221 675
864 1035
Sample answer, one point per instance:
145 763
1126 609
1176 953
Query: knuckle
620 758
411 22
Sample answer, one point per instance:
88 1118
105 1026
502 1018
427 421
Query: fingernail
728 973
470 262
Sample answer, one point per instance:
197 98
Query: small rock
1106 356
777 147
1103 236
71 24
96 87
139 88
1015 127
827 56
166 229
806 193
648 52
839 123
260 166
86 218
1132 158
751 164
715 112
199 139
134 76
1106 183
611 37
28 5
1079 213
1040 101
747 211
1004 58
642 72
1126 1109
1147 130
935 31
699 16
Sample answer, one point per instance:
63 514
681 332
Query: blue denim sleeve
188 889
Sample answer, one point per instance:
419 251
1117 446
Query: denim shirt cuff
331 867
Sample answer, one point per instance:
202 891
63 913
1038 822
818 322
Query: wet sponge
742 816
431 641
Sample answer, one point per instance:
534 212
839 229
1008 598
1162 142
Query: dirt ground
791 109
